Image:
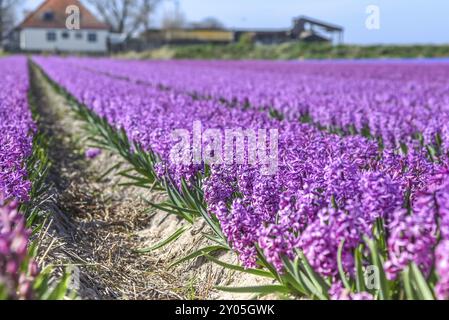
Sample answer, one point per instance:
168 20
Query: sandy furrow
93 223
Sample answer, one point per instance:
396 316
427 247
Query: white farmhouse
45 30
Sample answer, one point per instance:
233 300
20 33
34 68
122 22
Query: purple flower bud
93 153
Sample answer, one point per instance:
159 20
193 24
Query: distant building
45 30
188 36
304 29
309 29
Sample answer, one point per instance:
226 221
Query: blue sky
401 21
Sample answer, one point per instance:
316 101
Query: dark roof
58 20
328 26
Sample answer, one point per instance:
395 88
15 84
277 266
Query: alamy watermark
229 146
372 277
74 282
372 21
73 20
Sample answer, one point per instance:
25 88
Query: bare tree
174 19
126 16
7 17
148 7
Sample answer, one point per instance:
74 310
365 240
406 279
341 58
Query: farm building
309 29
45 30
304 29
187 36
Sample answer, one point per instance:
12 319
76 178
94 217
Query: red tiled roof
58 8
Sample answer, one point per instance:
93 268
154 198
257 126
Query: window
79 35
51 36
48 16
92 37
65 35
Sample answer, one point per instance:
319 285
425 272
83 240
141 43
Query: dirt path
96 224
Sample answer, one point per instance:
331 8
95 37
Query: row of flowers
336 205
393 100
23 163
17 128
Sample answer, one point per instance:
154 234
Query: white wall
35 39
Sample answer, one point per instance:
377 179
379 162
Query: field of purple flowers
358 206
349 96
362 181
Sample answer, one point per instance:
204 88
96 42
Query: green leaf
164 242
267 289
408 287
186 214
256 272
294 277
314 291
216 240
423 289
359 275
191 212
60 291
196 254
376 260
316 279
264 263
295 286
41 281
341 270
